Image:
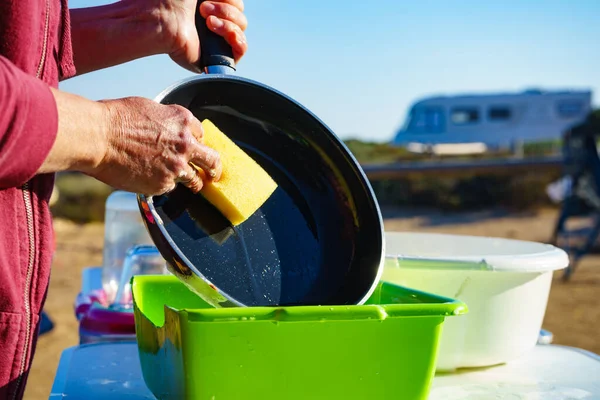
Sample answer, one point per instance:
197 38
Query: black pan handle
214 49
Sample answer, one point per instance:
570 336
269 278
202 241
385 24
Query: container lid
462 252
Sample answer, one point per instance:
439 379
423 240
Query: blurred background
468 118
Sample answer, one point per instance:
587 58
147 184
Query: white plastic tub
505 283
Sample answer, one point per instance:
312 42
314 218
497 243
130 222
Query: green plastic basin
385 349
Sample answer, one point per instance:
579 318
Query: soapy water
258 293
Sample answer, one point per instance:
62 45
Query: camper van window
427 120
464 115
569 108
498 113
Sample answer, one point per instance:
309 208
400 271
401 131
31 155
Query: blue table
100 372
112 371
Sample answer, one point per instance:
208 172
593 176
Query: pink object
100 322
84 302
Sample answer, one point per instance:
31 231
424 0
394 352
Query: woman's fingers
202 156
196 128
225 10
208 160
239 4
232 34
190 178
226 18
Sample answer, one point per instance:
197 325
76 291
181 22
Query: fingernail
209 8
216 22
212 173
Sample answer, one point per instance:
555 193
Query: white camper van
477 123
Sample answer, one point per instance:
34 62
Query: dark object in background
46 324
582 166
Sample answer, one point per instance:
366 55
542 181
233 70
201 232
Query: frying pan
318 240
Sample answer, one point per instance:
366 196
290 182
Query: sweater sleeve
28 124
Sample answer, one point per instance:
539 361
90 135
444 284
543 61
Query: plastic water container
141 259
123 229
504 282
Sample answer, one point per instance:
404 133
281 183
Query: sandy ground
573 313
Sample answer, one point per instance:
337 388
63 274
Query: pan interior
317 240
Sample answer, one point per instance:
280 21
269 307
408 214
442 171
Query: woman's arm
132 144
81 134
28 124
113 34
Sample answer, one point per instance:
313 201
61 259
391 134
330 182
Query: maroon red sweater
35 53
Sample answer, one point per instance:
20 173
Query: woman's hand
126 30
149 148
224 17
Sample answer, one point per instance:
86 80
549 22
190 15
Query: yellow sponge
244 186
